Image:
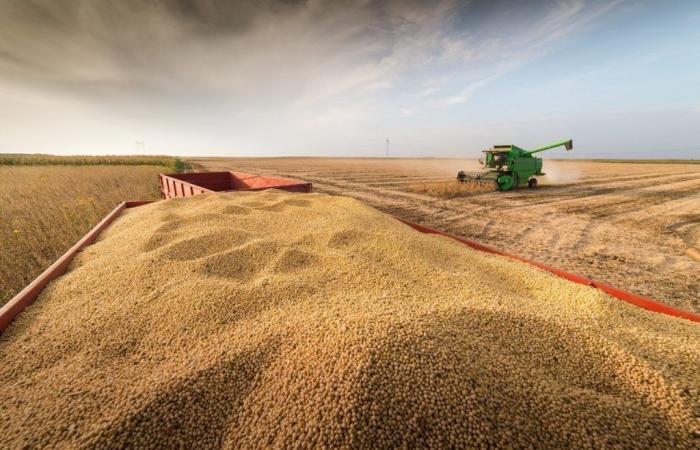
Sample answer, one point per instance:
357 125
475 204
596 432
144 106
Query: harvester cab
508 166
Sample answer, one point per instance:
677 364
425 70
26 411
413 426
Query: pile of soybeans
271 319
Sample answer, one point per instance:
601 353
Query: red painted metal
634 299
27 295
189 184
15 306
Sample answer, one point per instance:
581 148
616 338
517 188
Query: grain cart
507 166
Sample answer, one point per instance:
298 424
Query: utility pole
387 147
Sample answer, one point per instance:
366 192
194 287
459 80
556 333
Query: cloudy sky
336 78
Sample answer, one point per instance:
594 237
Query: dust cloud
559 172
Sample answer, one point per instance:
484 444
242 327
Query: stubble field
631 225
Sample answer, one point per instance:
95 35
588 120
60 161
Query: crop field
635 226
22 159
44 209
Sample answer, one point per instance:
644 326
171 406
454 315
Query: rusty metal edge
308 187
164 176
246 176
27 295
629 297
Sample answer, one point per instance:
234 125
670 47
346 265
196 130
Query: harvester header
507 166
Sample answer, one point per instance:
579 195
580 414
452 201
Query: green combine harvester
508 166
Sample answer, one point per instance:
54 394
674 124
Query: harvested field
46 209
627 224
271 319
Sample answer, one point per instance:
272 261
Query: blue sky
628 86
322 78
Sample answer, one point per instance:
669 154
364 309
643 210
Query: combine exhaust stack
507 166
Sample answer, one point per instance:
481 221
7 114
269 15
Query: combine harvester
507 166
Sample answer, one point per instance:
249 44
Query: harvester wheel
532 183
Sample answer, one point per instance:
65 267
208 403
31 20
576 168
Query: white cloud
525 44
255 72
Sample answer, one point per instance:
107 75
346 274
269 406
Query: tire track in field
574 193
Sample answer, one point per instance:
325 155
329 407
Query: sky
337 78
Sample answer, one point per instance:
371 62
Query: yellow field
46 209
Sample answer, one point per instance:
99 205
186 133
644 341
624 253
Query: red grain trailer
189 184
